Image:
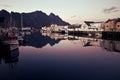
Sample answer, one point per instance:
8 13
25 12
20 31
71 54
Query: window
106 26
118 25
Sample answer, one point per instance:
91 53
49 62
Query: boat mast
10 20
21 21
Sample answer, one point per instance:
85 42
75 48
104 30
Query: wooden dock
79 33
111 35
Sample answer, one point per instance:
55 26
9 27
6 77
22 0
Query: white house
55 28
91 26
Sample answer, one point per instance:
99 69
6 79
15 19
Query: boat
10 37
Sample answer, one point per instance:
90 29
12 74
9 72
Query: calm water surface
61 57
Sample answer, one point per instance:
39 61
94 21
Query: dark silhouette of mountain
56 19
35 19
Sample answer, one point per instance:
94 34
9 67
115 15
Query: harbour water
61 57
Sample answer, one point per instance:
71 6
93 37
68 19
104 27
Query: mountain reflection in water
39 41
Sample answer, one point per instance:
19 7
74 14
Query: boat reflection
9 57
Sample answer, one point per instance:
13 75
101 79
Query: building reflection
109 45
85 41
9 57
55 36
91 42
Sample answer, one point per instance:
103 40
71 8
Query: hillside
35 19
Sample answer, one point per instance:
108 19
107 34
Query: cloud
111 9
5 5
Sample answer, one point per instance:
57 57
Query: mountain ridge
36 19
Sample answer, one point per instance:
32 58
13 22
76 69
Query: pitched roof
88 22
118 19
114 19
108 20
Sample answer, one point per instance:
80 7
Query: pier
111 35
84 32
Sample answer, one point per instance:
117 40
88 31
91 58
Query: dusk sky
72 11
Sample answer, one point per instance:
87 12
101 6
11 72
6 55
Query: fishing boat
10 36
11 39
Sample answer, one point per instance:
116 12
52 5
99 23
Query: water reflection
39 41
62 57
7 56
113 46
109 45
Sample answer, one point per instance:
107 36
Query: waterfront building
118 25
74 27
112 25
55 28
92 26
